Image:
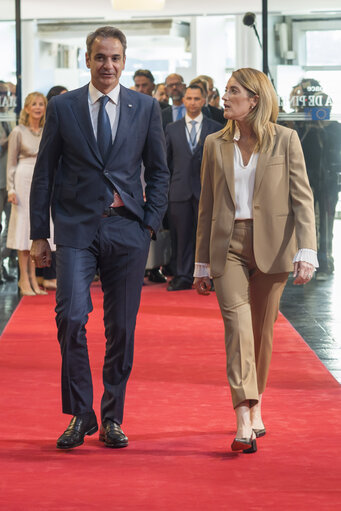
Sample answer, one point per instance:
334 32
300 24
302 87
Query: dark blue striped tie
193 135
104 135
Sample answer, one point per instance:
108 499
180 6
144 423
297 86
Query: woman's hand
202 285
303 272
12 198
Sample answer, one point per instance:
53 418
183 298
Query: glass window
8 71
323 47
306 60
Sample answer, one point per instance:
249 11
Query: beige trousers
249 303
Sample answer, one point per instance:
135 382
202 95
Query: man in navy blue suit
89 165
185 139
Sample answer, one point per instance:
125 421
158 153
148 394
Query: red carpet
178 418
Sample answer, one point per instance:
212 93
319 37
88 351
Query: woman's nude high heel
25 290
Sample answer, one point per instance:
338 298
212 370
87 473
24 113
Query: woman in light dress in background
23 147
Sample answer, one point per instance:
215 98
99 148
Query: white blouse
244 183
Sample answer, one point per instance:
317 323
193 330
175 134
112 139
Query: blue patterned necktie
193 135
104 135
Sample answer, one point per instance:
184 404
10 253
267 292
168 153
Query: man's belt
119 211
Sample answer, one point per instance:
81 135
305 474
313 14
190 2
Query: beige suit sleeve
202 254
301 196
14 143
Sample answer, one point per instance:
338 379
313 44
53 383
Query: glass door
305 60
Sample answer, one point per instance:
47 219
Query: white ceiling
102 9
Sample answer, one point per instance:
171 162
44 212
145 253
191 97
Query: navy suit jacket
167 116
71 174
183 164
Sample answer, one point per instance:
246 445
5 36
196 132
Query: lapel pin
129 105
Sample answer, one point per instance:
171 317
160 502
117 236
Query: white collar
95 94
198 119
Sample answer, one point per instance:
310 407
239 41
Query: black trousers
120 250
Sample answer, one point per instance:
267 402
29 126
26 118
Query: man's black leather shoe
112 435
79 426
179 284
157 276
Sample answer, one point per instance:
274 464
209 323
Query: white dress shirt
175 112
113 110
112 107
198 125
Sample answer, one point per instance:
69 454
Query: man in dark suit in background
185 140
144 81
160 93
96 137
175 87
208 110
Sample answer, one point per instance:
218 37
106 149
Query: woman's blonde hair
23 119
264 113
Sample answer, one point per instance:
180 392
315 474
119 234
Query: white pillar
208 43
248 51
30 54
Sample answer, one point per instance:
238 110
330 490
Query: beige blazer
283 207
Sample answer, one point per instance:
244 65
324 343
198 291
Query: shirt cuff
202 270
308 256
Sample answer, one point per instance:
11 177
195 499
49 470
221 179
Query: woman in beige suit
256 224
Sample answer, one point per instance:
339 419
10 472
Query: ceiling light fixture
138 5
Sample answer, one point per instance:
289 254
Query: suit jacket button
256 207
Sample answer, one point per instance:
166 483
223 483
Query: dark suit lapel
170 115
81 110
203 135
183 134
127 112
227 153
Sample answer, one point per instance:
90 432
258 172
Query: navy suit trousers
183 219
120 250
